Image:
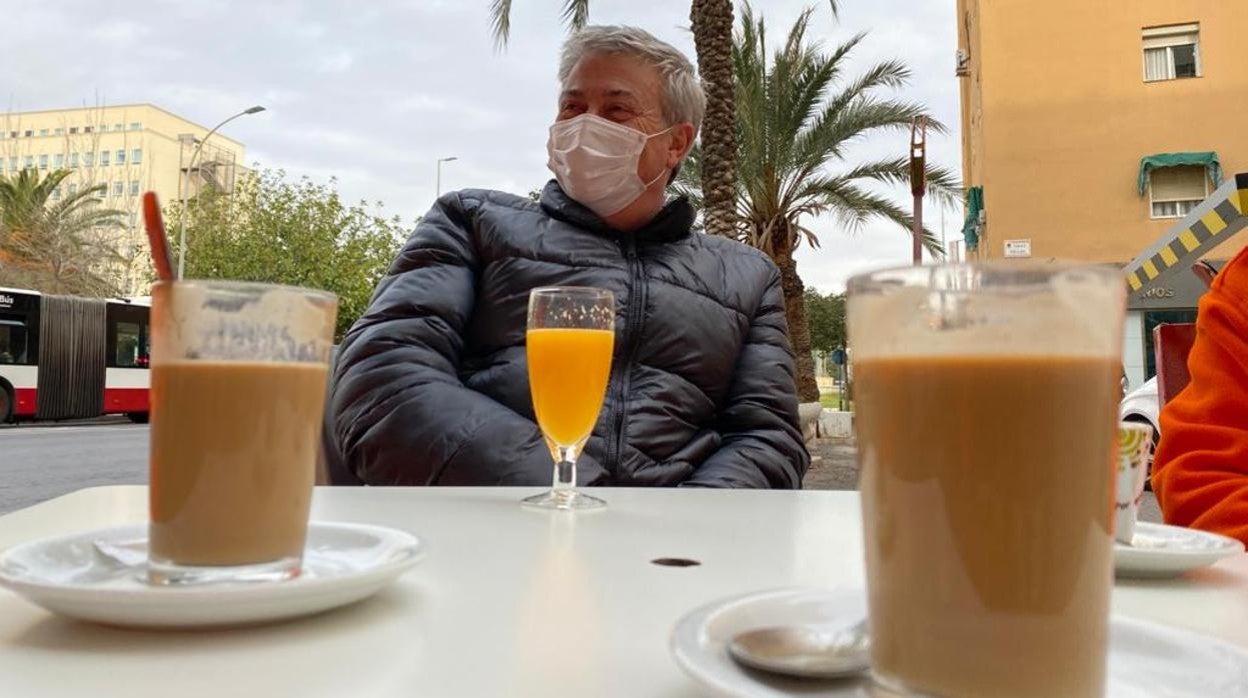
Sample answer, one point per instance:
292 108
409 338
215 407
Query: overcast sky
373 93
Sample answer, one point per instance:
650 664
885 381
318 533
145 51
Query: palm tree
51 243
797 115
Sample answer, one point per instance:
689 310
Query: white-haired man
431 385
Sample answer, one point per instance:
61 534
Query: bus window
127 355
12 342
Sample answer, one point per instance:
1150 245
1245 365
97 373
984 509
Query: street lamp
187 175
440 161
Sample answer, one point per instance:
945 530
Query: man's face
628 91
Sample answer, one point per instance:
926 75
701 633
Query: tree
797 114
53 243
826 316
300 233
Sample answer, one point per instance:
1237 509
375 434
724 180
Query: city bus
63 357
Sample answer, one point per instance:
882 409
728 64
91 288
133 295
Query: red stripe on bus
25 398
125 400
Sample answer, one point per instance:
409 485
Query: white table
509 602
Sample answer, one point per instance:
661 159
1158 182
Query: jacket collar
672 223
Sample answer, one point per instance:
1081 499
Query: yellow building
1064 105
130 149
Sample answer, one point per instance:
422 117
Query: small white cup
1133 442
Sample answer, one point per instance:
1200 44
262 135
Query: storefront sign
1181 291
1018 248
6 301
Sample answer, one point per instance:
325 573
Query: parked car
1142 405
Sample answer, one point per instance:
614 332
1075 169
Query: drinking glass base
567 500
165 573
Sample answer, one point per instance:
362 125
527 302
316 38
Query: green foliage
798 114
299 233
826 315
52 244
575 15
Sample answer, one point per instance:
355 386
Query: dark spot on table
675 562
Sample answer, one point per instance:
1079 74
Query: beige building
130 149
1091 128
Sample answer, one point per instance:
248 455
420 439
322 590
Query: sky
374 93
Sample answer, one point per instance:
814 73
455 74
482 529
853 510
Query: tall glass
986 401
238 390
569 342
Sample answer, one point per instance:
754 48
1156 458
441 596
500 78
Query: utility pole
918 181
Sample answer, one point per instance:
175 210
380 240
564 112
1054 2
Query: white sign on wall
1018 248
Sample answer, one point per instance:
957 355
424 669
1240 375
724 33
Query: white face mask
595 161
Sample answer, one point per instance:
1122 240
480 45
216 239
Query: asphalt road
42 462
39 462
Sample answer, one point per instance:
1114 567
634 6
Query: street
41 462
45 461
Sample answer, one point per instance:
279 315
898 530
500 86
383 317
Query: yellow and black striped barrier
1210 224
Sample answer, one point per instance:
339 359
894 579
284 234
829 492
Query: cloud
337 62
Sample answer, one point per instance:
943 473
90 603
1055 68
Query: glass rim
571 290
233 285
920 275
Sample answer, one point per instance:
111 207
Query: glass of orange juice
570 339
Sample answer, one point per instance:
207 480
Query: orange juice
568 372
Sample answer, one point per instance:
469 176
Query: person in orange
1200 475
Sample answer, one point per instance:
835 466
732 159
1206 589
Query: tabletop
509 601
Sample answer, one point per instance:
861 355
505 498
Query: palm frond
500 22
575 13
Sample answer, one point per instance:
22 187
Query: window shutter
1178 183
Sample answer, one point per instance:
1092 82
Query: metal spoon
805 651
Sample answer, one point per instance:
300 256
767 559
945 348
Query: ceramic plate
1145 660
1159 550
71 576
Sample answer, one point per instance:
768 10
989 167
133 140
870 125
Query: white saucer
1159 551
70 576
1145 660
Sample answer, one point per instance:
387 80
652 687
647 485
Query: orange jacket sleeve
1201 471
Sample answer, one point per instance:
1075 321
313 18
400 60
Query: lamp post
440 161
185 180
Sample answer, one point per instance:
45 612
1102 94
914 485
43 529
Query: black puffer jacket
431 384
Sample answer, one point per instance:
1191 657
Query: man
431 383
1200 474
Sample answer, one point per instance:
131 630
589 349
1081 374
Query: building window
121 157
101 191
43 162
29 162
104 154
13 164
117 127
73 130
136 156
1171 53
134 219
58 161
88 159
43 132
29 134
134 187
103 128
59 132
87 129
135 126
1175 191
73 159
56 193
12 134
118 188
73 190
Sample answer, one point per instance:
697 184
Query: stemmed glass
570 338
